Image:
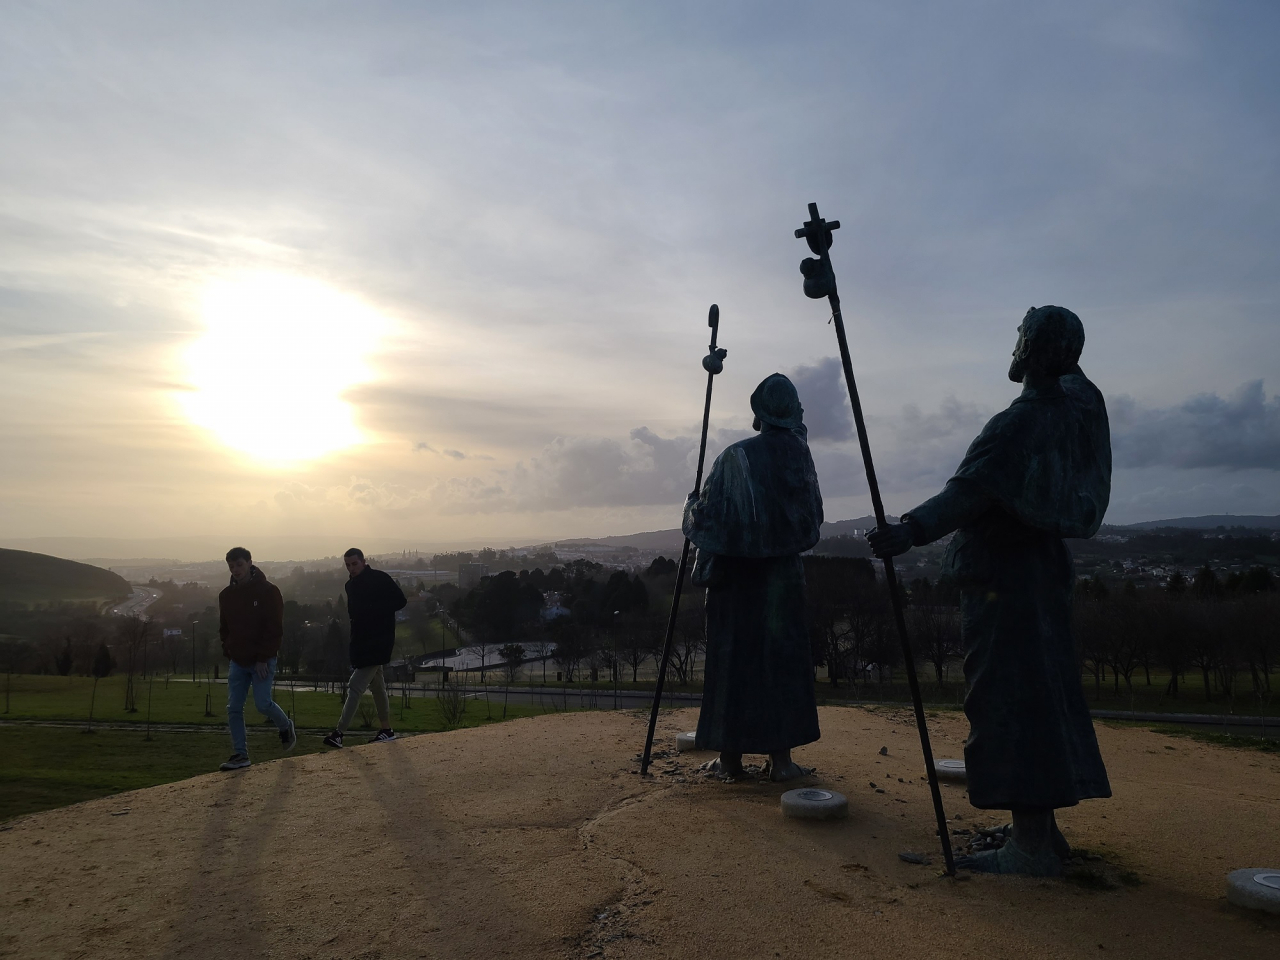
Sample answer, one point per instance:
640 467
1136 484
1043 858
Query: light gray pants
363 678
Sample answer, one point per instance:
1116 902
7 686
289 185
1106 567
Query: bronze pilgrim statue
1038 472
758 511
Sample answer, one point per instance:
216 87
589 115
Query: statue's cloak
758 511
1039 471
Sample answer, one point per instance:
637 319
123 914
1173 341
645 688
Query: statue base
814 803
1255 888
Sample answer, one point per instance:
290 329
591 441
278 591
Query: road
136 605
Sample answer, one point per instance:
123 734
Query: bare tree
935 635
540 647
639 643
689 641
134 633
482 647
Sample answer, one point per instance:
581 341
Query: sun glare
277 354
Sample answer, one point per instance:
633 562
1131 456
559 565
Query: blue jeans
239 679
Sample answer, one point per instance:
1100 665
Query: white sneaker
289 738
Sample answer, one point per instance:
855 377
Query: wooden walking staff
713 363
820 281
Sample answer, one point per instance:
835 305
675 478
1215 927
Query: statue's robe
1038 472
758 511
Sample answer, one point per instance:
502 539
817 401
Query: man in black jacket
372 601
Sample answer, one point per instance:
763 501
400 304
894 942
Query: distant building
401 671
552 606
470 574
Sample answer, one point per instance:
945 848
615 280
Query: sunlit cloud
277 355
547 197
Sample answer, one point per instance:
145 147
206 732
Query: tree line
1223 632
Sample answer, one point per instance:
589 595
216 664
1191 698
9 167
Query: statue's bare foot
1013 859
1060 845
788 770
724 768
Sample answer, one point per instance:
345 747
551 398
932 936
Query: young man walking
251 625
372 601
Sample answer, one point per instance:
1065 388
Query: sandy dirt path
536 838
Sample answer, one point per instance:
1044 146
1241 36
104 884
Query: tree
540 647
661 567
103 664
571 647
690 638
498 612
1204 649
64 660
839 591
935 635
334 653
639 643
295 634
512 655
1094 630
134 633
1205 584
9 649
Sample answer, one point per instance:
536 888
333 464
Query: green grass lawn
46 767
51 766
1142 699
180 701
436 636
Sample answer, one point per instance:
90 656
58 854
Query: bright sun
276 356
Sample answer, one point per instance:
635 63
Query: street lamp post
193 650
614 631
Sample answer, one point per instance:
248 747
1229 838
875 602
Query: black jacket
372 601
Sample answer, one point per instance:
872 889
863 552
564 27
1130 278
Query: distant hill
670 541
38 578
1211 522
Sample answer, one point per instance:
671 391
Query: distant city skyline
440 274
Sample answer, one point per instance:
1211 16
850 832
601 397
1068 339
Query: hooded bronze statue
1038 472
759 509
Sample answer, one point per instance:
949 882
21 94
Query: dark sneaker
289 738
333 740
238 761
384 736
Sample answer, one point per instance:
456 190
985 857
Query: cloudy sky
441 271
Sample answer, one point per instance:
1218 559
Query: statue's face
1018 368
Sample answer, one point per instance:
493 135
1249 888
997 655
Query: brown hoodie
251 619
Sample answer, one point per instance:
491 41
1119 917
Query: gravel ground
537 838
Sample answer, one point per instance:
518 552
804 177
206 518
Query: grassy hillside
38 578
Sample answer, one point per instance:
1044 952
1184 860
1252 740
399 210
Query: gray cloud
1239 432
423 447
916 450
585 472
825 399
554 190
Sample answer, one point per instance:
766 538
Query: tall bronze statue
758 511
1038 472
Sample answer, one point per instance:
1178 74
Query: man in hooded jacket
251 626
372 601
759 509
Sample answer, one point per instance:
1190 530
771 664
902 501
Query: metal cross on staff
713 363
819 282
